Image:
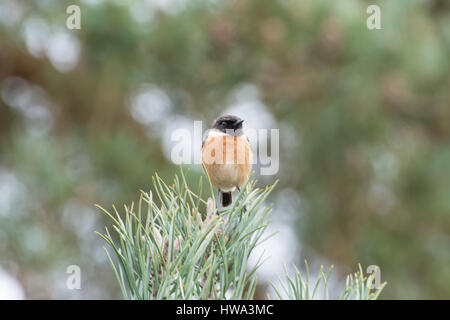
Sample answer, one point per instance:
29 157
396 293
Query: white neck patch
215 133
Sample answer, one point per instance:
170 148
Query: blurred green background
364 117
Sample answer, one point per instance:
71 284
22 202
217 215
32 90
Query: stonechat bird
227 156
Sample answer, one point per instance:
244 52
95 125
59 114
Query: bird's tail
226 198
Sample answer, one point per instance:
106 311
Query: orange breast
228 161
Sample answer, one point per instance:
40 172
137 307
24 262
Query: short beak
238 123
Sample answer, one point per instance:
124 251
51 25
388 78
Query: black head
229 124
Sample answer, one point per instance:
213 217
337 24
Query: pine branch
167 248
298 287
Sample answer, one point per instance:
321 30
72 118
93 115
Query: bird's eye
223 123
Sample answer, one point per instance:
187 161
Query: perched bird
227 156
